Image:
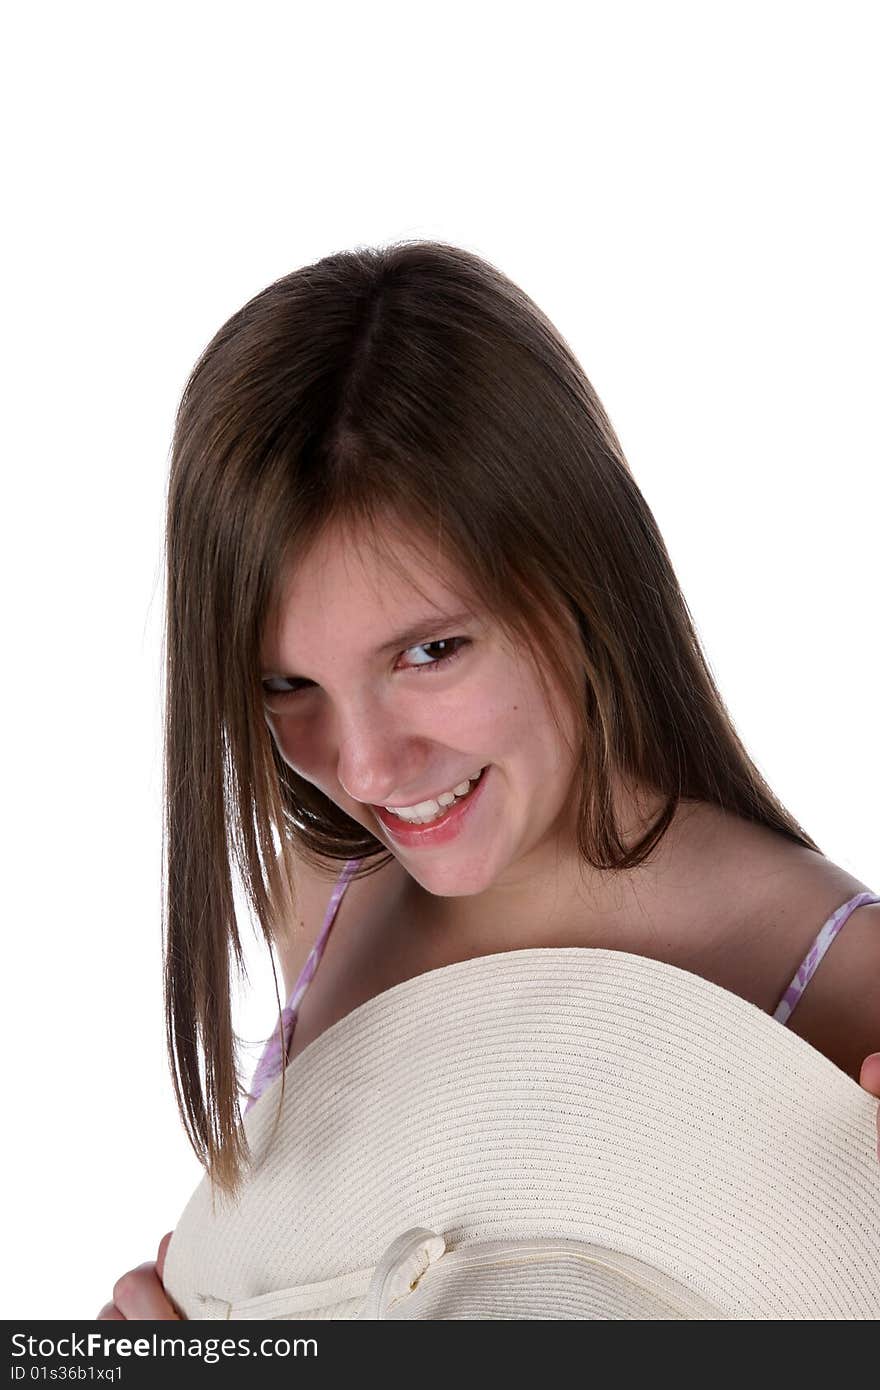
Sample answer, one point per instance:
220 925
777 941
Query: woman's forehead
376 598
375 566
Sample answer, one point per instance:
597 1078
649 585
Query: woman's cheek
293 745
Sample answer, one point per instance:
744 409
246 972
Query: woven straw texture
546 1134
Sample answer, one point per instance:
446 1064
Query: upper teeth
433 807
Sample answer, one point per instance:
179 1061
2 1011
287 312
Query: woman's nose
372 758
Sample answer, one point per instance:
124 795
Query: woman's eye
280 688
446 655
292 686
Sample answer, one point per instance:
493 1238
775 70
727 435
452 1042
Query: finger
110 1313
163 1251
869 1076
138 1294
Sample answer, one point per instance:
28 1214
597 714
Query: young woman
422 629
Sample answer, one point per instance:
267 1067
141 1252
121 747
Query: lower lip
437 832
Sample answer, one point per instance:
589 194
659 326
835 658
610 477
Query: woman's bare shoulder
839 1011
796 893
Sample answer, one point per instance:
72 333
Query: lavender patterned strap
817 951
271 1062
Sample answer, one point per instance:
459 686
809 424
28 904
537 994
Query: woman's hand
138 1294
869 1078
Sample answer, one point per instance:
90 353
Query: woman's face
383 699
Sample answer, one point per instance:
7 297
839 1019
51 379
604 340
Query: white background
687 189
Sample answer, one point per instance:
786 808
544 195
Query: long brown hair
413 380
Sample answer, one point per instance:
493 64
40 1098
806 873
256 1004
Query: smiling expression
385 695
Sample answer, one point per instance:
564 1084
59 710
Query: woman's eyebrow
415 632
418 630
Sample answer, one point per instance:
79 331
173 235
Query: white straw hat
546 1134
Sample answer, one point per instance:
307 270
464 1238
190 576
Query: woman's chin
456 878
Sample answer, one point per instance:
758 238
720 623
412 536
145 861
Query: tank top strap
824 938
271 1064
314 957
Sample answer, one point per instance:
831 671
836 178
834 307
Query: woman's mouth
429 825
